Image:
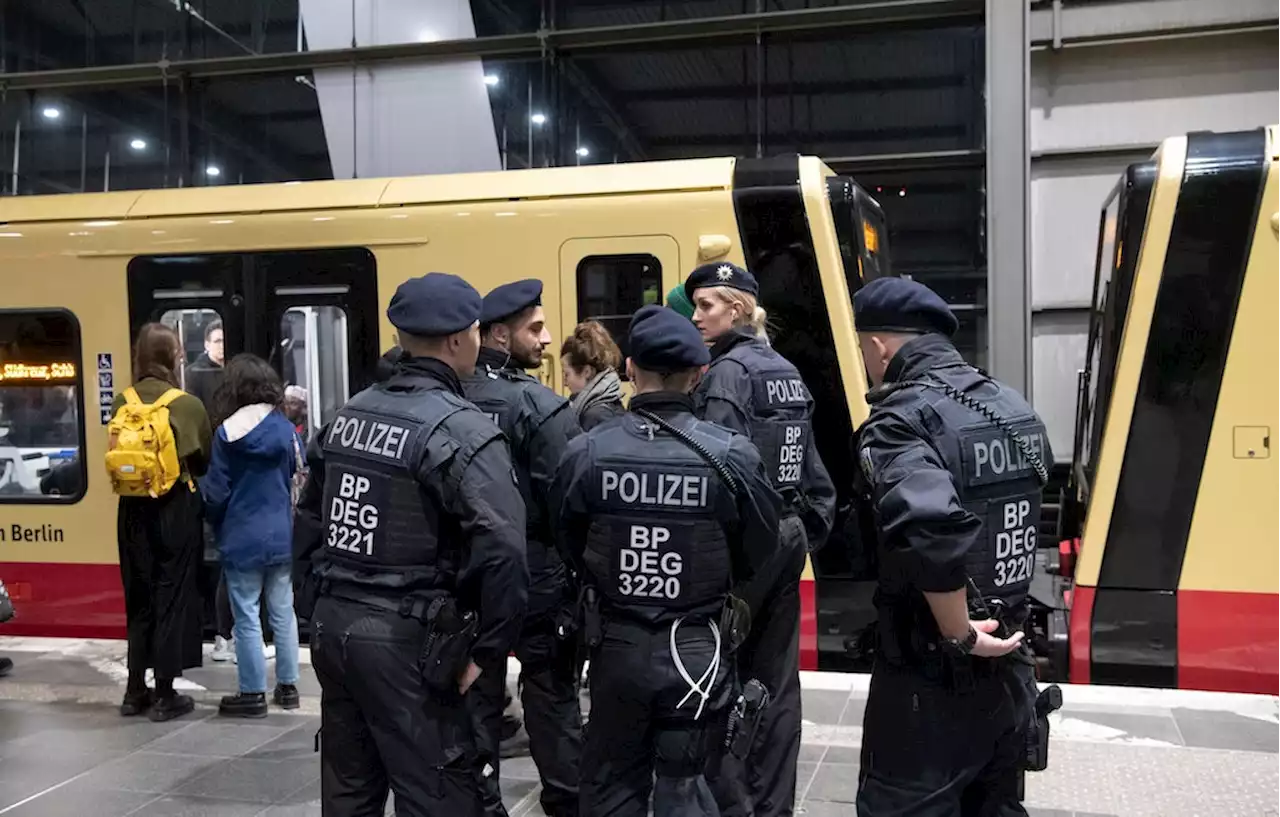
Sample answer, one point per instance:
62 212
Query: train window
204 350
313 363
612 287
41 394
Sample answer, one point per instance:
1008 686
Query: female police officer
953 464
660 514
753 390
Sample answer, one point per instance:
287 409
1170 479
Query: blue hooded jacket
247 489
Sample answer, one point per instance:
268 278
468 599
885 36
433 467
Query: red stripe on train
808 625
64 600
1228 642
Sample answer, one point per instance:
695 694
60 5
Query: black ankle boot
135 703
168 707
286 696
244 705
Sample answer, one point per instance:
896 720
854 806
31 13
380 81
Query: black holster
592 622
306 592
446 645
745 717
1049 700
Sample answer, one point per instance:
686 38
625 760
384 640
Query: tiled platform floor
64 750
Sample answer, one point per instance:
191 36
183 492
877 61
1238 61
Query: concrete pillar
401 119
1008 179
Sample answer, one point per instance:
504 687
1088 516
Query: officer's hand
468 677
989 646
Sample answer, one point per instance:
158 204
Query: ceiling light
902 192
584 151
538 118
51 112
491 80
138 144
213 170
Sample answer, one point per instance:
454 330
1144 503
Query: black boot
286 696
244 705
135 703
6 666
168 707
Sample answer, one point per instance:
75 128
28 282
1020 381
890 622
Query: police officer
954 463
538 425
411 525
660 514
755 391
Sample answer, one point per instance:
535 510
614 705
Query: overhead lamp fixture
583 151
902 191
138 144
213 171
538 119
491 80
51 112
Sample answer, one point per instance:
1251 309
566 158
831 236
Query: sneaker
268 651
170 707
224 649
244 705
286 696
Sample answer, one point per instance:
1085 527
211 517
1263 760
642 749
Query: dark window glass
612 287
41 422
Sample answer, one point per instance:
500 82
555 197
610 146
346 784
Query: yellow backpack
142 455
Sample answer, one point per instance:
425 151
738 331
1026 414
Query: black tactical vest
656 548
381 529
508 398
780 412
995 476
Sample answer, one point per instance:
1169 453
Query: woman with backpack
248 500
159 444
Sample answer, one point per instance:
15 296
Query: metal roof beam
1058 24
738 28
851 85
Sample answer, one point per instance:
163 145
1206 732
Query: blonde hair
752 314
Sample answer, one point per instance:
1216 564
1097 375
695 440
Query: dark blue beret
722 274
508 299
433 305
663 340
902 305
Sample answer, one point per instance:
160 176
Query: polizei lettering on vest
370 436
664 490
1001 456
785 391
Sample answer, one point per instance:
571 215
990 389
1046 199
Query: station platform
65 750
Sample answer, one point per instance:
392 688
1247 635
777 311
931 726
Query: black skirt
161 546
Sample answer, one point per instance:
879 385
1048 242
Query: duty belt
414 605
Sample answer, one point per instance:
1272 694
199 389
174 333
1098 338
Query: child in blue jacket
247 500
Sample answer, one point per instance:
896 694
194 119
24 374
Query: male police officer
538 425
660 514
954 463
412 527
753 390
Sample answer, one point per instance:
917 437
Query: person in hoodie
248 502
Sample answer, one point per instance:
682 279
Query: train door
311 313
608 279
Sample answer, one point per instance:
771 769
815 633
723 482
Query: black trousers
161 543
552 715
382 730
639 728
764 783
934 751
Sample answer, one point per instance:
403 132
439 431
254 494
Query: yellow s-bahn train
1168 522
300 273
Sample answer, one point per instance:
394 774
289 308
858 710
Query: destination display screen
37 372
